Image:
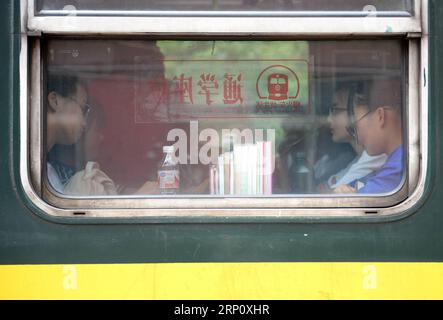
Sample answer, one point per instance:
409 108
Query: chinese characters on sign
208 87
248 90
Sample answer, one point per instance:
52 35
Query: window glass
227 118
362 6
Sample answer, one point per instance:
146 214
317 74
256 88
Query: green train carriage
224 244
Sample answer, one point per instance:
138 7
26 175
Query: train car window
224 118
228 109
224 7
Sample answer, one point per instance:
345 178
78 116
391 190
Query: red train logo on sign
278 83
278 86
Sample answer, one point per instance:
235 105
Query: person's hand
150 187
323 188
344 188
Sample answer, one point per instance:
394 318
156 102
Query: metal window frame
233 23
171 13
209 208
71 10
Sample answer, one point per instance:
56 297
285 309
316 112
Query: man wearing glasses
377 126
67 112
67 119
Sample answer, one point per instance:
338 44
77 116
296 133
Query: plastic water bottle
169 173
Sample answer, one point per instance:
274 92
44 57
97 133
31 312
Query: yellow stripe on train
223 281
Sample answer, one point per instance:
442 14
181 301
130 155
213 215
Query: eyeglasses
352 128
85 109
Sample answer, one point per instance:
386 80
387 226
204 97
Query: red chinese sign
246 88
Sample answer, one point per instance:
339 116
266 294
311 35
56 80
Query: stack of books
246 170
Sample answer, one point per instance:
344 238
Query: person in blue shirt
377 126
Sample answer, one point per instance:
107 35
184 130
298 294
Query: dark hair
386 92
377 92
356 92
63 84
373 93
357 95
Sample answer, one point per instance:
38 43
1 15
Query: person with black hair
67 111
377 126
347 96
67 119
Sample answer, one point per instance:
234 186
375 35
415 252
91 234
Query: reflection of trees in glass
233 49
228 55
228 52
